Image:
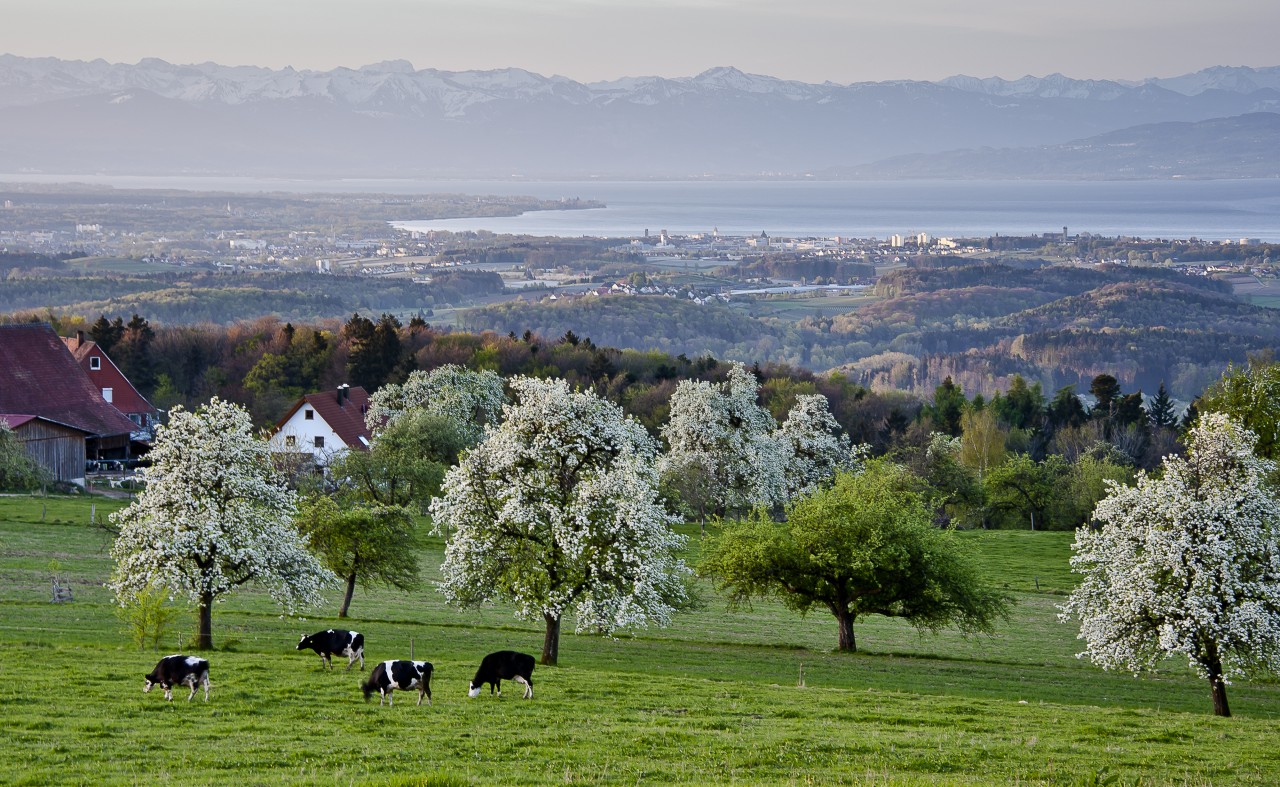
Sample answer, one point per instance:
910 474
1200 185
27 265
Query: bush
17 470
147 618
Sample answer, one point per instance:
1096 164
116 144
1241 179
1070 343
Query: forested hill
979 323
225 298
639 322
1059 280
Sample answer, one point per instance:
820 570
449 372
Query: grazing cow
335 642
500 666
179 671
404 675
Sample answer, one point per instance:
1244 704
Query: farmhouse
324 425
115 387
46 393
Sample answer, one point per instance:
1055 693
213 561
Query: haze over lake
1209 209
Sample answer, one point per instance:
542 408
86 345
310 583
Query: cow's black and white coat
500 666
178 670
335 642
404 675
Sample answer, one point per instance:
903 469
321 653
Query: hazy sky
810 40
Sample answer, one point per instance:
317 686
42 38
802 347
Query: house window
108 393
309 415
320 441
95 363
290 441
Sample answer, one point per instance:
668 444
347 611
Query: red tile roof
15 421
346 419
39 376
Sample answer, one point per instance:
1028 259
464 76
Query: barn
40 378
59 448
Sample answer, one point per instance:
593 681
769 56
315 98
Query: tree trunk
204 635
1218 688
346 599
551 642
847 641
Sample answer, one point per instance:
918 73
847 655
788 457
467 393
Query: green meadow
749 696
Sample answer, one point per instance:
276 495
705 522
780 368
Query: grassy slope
713 698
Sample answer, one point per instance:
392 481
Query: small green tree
1023 490
147 617
407 461
864 546
368 544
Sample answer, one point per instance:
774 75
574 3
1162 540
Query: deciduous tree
213 517
815 446
470 399
557 511
720 431
865 546
365 544
1186 564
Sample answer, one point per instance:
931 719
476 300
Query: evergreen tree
1160 412
948 405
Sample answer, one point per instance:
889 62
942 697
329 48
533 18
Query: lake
1209 209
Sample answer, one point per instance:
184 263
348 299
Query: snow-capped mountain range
75 116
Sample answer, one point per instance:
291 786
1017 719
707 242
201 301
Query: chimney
343 394
79 339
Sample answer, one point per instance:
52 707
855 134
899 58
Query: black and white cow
404 675
335 642
179 671
500 666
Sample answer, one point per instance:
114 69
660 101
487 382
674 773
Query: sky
841 41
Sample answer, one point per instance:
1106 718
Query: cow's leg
421 689
193 683
205 681
528 687
496 687
327 658
168 693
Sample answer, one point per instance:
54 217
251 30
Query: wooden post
93 513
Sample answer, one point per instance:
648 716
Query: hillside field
748 696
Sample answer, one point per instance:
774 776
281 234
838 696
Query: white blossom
213 516
471 399
557 511
718 433
816 446
1187 563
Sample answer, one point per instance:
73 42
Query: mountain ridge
388 118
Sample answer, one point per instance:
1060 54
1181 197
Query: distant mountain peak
389 67
391 116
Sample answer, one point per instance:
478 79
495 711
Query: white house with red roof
325 425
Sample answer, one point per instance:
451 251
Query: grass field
749 696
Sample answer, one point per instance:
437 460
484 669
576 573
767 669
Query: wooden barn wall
60 451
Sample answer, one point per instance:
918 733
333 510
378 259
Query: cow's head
473 690
305 642
147 684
